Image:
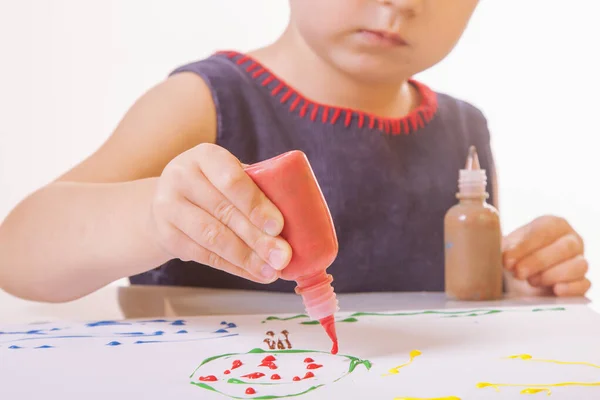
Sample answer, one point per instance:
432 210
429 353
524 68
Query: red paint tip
328 323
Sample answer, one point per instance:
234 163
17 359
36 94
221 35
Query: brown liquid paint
473 240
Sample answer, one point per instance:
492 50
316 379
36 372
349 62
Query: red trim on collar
304 107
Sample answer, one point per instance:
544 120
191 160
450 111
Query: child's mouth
383 38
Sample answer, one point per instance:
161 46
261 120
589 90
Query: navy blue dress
388 182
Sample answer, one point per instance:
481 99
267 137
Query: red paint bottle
289 182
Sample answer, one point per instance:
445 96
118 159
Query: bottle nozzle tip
472 159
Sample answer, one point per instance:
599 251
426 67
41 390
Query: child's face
351 34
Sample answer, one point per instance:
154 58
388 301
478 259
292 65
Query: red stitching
258 73
361 120
277 89
371 122
313 114
295 103
415 120
348 118
304 108
325 114
336 115
287 95
269 79
242 60
252 66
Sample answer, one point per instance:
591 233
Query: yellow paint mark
497 386
527 357
536 391
538 388
413 354
428 398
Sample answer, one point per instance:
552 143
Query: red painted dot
309 360
255 375
227 372
296 379
268 358
269 364
309 375
275 377
236 364
250 391
313 366
210 378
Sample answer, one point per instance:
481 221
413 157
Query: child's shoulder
218 68
462 114
459 106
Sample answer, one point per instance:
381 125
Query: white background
69 70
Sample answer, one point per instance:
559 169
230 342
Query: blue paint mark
449 245
179 322
231 325
105 323
154 321
54 329
184 331
141 334
185 340
223 323
15 347
221 331
113 344
52 338
45 347
33 332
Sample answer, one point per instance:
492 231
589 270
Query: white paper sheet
453 351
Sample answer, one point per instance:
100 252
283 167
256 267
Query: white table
117 302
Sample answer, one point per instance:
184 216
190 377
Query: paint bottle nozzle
472 159
472 180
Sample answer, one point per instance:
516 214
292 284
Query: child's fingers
564 248
191 251
571 270
534 236
577 288
218 239
199 191
226 173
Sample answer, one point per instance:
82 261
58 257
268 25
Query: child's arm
121 212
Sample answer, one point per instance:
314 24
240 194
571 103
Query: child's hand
548 253
207 209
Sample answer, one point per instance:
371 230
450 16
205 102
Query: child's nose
409 7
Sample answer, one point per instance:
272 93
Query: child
165 200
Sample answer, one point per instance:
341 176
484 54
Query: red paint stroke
250 391
236 364
313 366
210 378
255 375
309 360
309 375
296 379
275 377
227 372
268 358
269 364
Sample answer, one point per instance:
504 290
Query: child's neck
319 81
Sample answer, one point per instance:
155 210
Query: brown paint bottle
473 239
